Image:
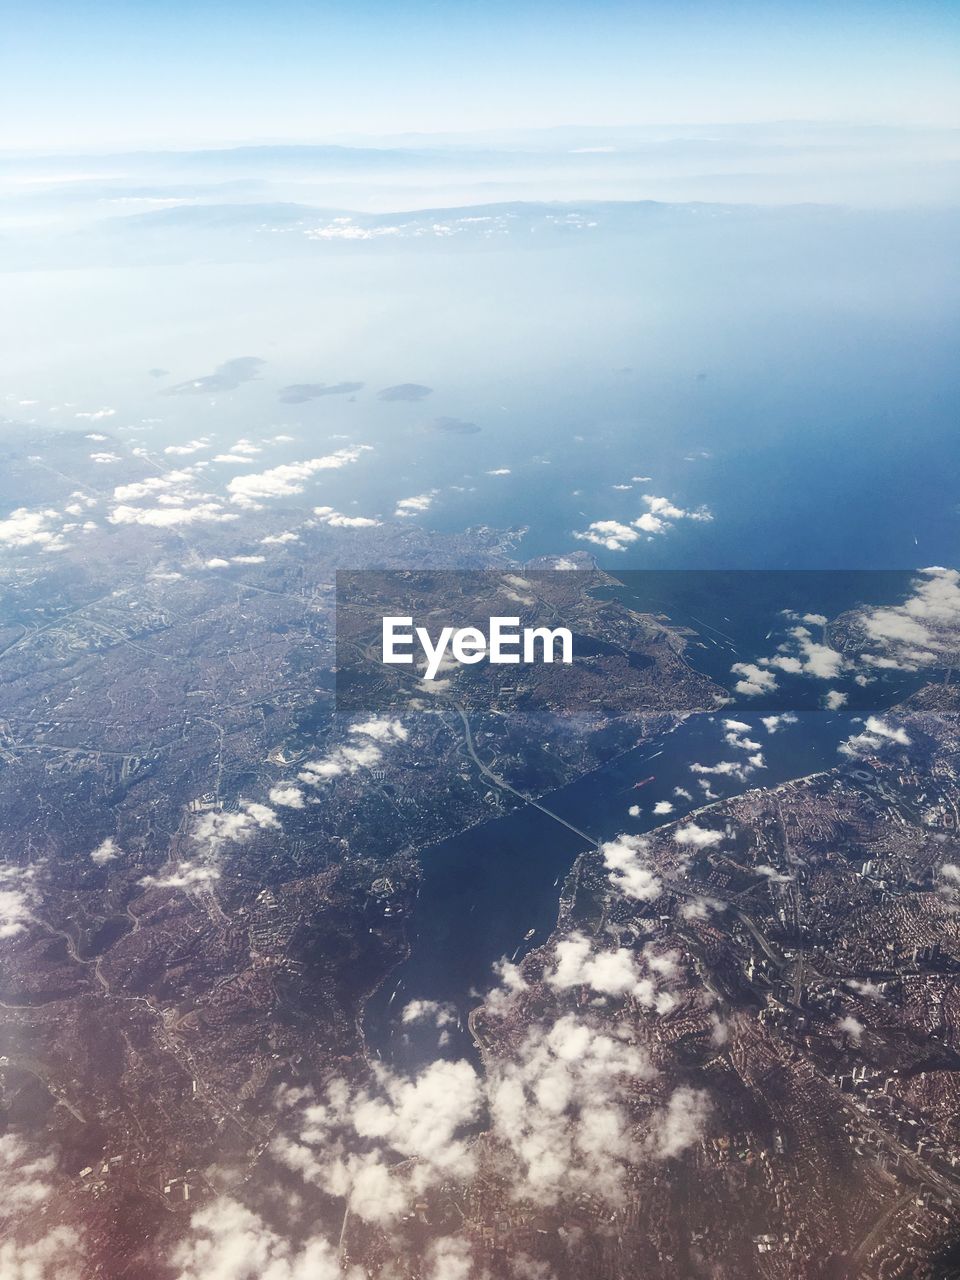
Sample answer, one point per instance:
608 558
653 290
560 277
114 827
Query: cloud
499 471
432 1011
287 796
700 908
382 729
405 391
662 807
697 836
24 528
211 833
756 680
96 415
865 988
349 759
336 520
659 518
834 699
24 1180
186 875
104 458
449 1258
876 733
772 874
773 724
301 392
664 511
26 1183
226 377
560 1104
739 769
611 534
923 629
413 506
611 973
105 852
229 1242
181 482
16 894
58 1255
171 517
851 1027
289 478
279 539
349 1142
623 858
216 828
174 499
184 450
681 1123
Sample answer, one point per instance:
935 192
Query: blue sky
180 72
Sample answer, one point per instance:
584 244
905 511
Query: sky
88 74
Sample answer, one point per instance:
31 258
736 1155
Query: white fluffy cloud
186 875
170 517
58 1255
288 478
349 1143
215 829
659 517
26 1182
287 796
229 1242
614 535
24 528
105 851
680 1124
616 973
754 679
280 539
211 833
773 724
184 450
24 1174
851 1027
697 836
876 733
349 759
16 895
923 629
414 506
623 858
337 520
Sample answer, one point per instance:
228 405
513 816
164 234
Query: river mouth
492 891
